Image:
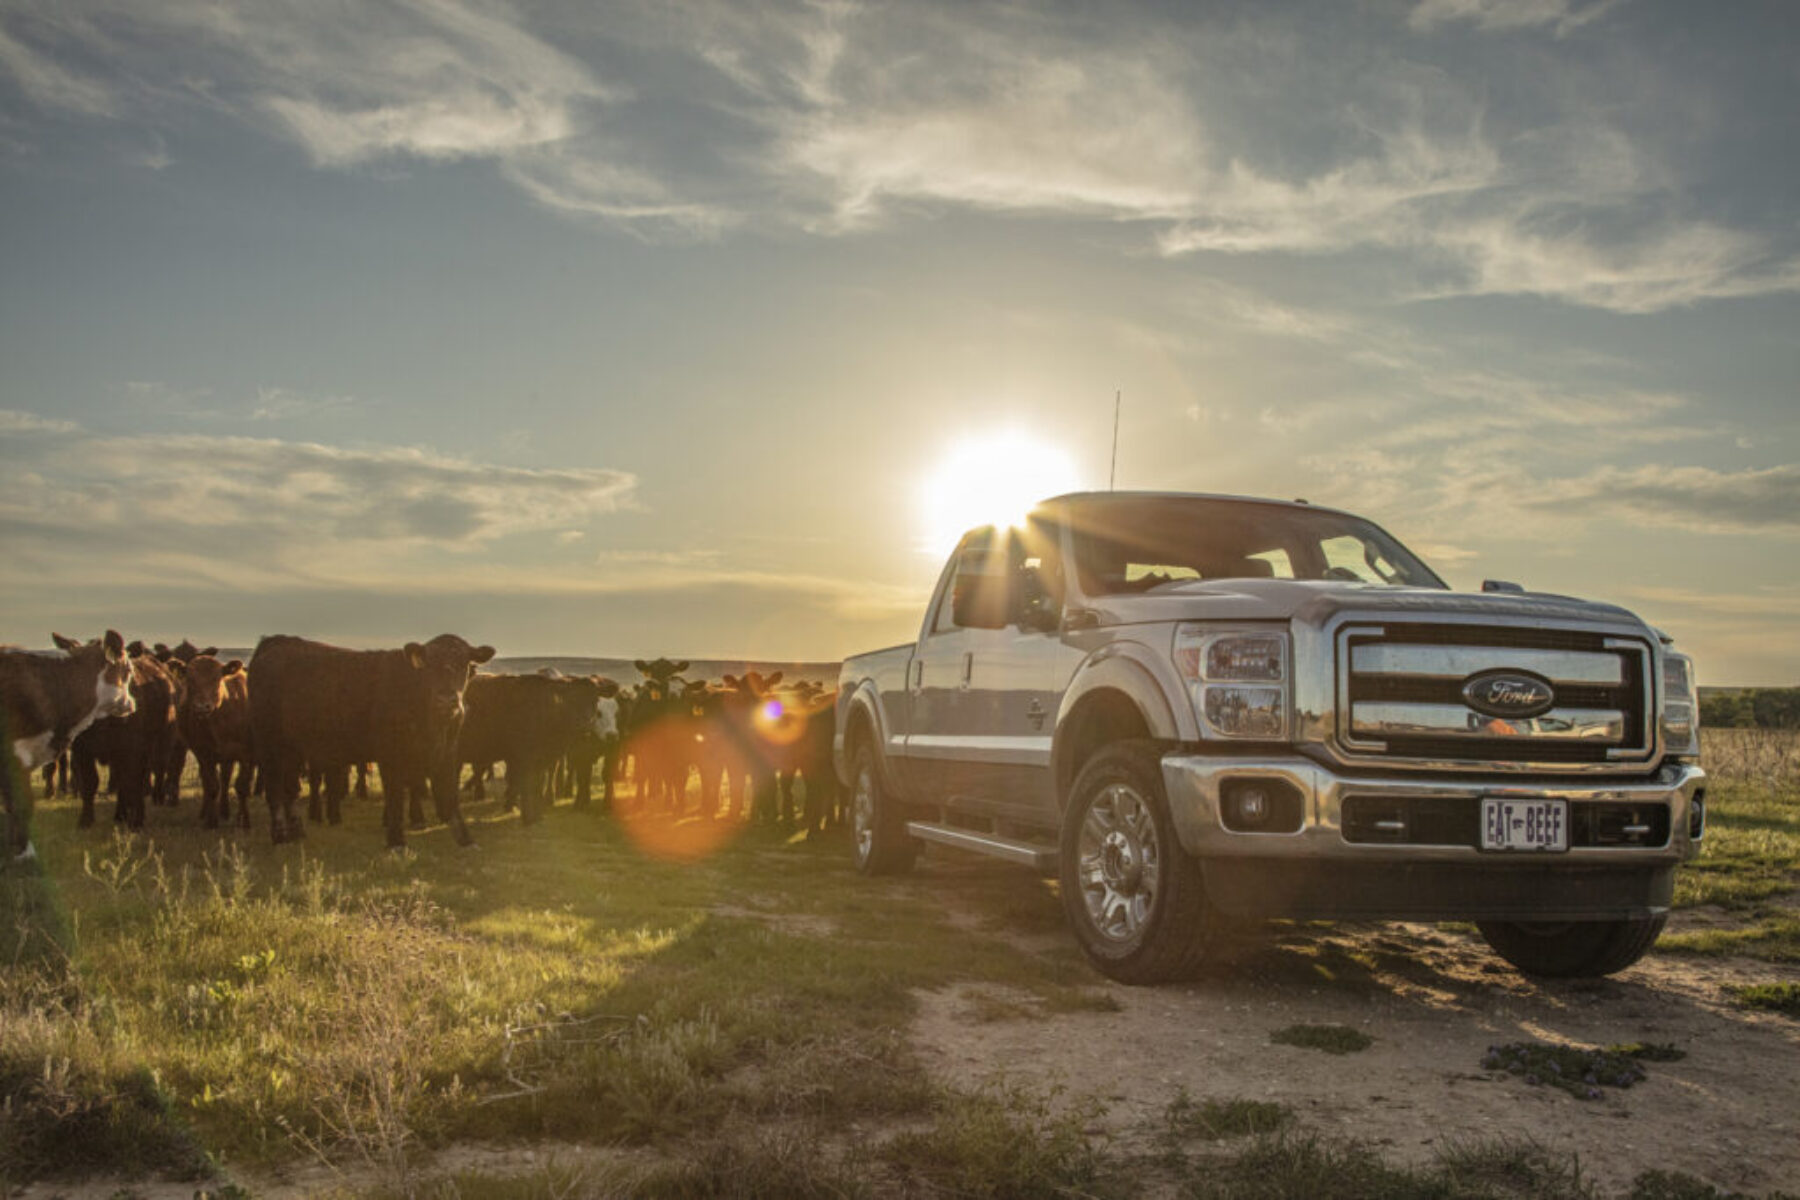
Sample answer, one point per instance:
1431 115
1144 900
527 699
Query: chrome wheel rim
1120 859
862 814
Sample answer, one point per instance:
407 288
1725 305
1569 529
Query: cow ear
114 645
642 666
772 680
234 666
212 650
482 653
135 648
63 643
415 654
680 667
162 649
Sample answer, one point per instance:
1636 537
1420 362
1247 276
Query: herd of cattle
303 710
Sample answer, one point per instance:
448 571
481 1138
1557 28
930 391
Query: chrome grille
1401 694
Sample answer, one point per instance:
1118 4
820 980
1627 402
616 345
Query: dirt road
1433 1000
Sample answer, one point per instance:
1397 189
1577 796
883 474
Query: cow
810 754
134 747
214 720
659 718
599 745
530 722
751 762
167 774
45 702
329 707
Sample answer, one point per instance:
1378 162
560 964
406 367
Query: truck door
1017 675
938 681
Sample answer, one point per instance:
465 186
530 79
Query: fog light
1697 816
1252 806
1261 805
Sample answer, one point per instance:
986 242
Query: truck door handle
919 675
968 667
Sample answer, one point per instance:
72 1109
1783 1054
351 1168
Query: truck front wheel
883 847
1572 949
1134 896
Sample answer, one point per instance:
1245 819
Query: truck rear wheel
1134 896
1572 949
878 829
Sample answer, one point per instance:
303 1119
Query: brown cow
135 747
215 724
329 707
45 702
529 722
166 782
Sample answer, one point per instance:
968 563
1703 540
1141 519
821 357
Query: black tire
880 842
1572 949
1134 897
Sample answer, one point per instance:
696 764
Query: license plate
1524 824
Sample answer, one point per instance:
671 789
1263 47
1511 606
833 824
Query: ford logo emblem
1508 694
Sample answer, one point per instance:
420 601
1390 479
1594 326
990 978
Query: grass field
188 1005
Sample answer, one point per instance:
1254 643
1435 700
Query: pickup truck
1201 711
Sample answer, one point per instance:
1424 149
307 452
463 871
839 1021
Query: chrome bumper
1193 783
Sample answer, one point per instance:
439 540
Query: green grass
1783 998
1584 1074
1332 1039
1213 1120
332 1001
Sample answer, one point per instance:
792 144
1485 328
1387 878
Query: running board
1024 853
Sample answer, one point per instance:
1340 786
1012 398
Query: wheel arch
1108 710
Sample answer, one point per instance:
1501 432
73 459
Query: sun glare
991 480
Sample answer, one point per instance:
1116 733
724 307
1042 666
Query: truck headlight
1681 711
1239 680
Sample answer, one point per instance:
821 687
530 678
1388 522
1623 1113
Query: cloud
293 506
1765 501
12 421
1508 15
52 85
1198 133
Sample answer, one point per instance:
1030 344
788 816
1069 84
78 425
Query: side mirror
1501 585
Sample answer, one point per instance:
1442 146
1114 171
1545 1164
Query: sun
993 479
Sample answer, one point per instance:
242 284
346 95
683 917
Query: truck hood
1315 602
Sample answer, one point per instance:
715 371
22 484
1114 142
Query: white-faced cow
45 701
330 707
134 747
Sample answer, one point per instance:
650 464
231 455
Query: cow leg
393 803
87 785
211 789
415 800
337 782
315 787
362 781
448 802
245 770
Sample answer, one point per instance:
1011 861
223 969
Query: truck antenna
1113 477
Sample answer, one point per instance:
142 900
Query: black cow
330 707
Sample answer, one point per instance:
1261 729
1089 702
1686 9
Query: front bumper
1434 871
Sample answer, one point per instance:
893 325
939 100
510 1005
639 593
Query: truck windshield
1137 543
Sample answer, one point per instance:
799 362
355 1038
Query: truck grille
1401 695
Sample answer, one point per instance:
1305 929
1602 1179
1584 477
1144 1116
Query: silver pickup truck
1198 711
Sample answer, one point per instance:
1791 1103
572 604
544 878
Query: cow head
206 677
112 671
444 665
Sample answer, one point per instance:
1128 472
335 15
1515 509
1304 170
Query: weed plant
1332 1039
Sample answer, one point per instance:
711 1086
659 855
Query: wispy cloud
1760 501
13 421
1563 16
1200 134
280 501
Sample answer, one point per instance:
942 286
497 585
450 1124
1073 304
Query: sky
644 328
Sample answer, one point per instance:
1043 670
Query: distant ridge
622 670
